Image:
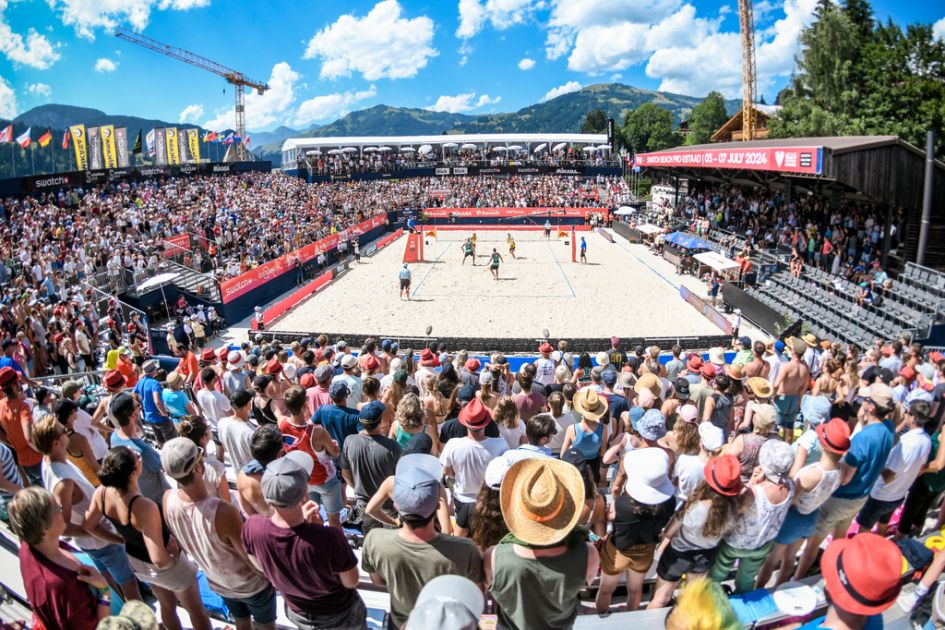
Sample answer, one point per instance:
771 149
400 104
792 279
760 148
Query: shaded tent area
686 241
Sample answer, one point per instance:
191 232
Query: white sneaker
907 601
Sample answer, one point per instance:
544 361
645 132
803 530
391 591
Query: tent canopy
539 148
623 211
686 241
716 260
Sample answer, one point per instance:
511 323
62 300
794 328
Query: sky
323 59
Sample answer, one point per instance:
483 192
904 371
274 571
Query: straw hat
735 371
590 404
648 381
541 499
760 387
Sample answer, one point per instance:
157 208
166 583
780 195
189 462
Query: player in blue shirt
405 282
583 250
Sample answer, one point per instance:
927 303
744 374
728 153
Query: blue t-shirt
146 388
868 451
873 622
405 274
6 361
176 402
340 422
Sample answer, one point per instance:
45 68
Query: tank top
758 525
751 449
55 473
194 525
810 501
264 415
588 443
134 540
539 593
324 468
403 437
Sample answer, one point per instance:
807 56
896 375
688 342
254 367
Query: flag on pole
6 135
46 138
65 140
210 136
236 138
246 141
136 149
24 138
229 139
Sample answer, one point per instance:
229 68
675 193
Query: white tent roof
439 140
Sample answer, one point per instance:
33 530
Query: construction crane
239 80
746 24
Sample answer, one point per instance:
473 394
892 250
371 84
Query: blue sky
324 59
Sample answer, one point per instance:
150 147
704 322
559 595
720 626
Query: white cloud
465 50
567 88
464 102
330 106
7 100
85 16
382 44
938 30
570 17
262 110
526 64
501 14
104 64
191 113
39 89
35 51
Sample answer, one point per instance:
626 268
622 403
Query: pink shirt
317 396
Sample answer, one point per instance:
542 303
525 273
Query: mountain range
565 113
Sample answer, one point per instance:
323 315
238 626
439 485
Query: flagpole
32 163
13 155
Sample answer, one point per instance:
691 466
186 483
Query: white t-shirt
513 437
690 537
469 459
214 405
562 423
236 435
544 371
906 459
83 426
690 471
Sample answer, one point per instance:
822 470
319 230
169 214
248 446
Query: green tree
860 14
706 118
649 128
595 122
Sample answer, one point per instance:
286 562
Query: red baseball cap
862 573
475 415
724 475
907 372
835 436
472 365
208 355
114 379
307 380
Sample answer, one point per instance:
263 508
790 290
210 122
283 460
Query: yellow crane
746 24
239 80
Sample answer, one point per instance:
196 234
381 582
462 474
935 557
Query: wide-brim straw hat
648 381
760 387
590 404
541 500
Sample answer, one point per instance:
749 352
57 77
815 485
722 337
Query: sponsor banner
109 150
220 169
121 141
707 311
96 177
254 278
160 148
441 171
173 145
150 141
81 147
285 305
193 144
535 213
46 182
807 160
94 136
177 244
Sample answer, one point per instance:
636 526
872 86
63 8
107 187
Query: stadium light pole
926 197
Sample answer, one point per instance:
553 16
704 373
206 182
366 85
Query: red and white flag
24 138
6 135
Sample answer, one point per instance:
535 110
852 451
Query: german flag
46 138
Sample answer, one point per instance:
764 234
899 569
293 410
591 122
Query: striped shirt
8 466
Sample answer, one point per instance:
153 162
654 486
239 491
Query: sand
623 290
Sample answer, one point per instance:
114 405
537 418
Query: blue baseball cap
372 412
339 388
416 491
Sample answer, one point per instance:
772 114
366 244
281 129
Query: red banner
282 307
537 213
177 244
258 276
807 160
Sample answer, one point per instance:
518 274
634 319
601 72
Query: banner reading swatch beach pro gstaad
258 276
808 160
505 213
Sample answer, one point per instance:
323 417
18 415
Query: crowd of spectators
528 485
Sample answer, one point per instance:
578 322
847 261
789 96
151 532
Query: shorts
787 407
176 578
464 512
354 617
837 513
163 431
796 526
328 495
261 606
404 284
636 558
876 511
674 564
113 559
493 267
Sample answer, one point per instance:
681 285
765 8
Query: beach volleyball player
494 260
405 282
469 251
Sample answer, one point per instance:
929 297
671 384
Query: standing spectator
17 424
126 410
235 378
590 435
235 431
209 530
156 415
405 559
266 446
791 383
57 584
538 570
529 400
214 405
311 565
368 459
338 419
752 536
349 363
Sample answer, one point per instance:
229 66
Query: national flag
24 138
210 137
136 149
65 140
229 139
46 138
246 141
236 138
6 135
